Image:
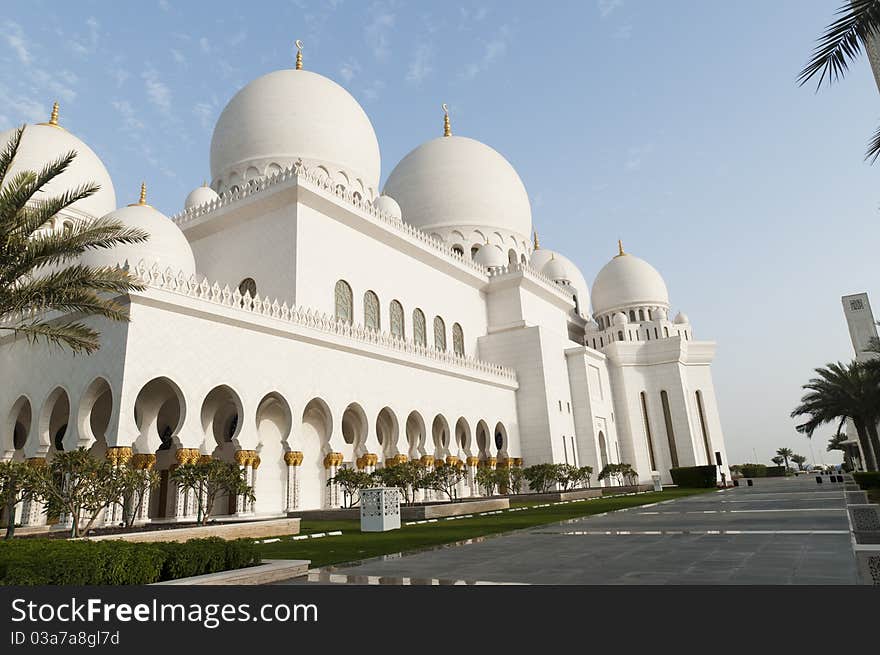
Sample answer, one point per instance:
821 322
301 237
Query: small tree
629 474
584 475
351 481
617 472
515 479
540 477
778 460
800 460
406 476
79 485
16 484
487 479
209 479
445 479
566 475
136 485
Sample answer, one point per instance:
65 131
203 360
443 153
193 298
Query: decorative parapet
316 180
179 283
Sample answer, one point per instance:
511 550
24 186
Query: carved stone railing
192 287
317 180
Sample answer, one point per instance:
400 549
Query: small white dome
42 144
200 196
627 281
619 319
289 115
556 270
457 181
660 314
541 256
388 205
167 246
490 256
681 318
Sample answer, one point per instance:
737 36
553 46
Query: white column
331 465
293 460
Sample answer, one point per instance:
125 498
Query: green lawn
354 545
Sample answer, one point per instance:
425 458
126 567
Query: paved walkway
785 531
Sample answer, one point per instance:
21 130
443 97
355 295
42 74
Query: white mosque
296 319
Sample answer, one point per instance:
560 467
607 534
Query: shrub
694 476
61 562
753 470
776 472
867 479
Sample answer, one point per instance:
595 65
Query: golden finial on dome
447 128
537 245
299 55
142 201
620 252
53 119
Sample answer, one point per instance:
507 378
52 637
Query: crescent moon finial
299 55
445 108
447 128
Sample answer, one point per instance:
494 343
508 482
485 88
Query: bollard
818 479
736 483
749 482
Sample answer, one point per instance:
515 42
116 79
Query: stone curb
266 573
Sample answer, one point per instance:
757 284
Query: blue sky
675 126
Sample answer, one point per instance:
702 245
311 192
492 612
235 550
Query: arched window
248 285
511 257
620 335
666 332
458 250
67 226
577 307
439 333
641 314
396 313
632 316
656 335
474 251
601 342
457 340
371 311
650 315
420 333
344 301
670 433
522 259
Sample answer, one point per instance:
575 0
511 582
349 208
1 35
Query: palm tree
38 274
785 454
857 25
778 460
800 460
841 392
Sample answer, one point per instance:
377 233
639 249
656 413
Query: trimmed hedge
753 470
694 476
776 472
58 561
867 479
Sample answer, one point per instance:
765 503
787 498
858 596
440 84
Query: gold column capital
293 458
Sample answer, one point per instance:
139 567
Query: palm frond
873 150
842 41
78 337
7 155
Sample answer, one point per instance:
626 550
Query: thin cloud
607 7
16 40
623 32
130 121
157 91
372 91
378 31
88 44
349 70
421 65
205 113
205 45
493 51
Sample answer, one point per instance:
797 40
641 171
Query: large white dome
289 115
42 144
627 281
167 246
457 181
